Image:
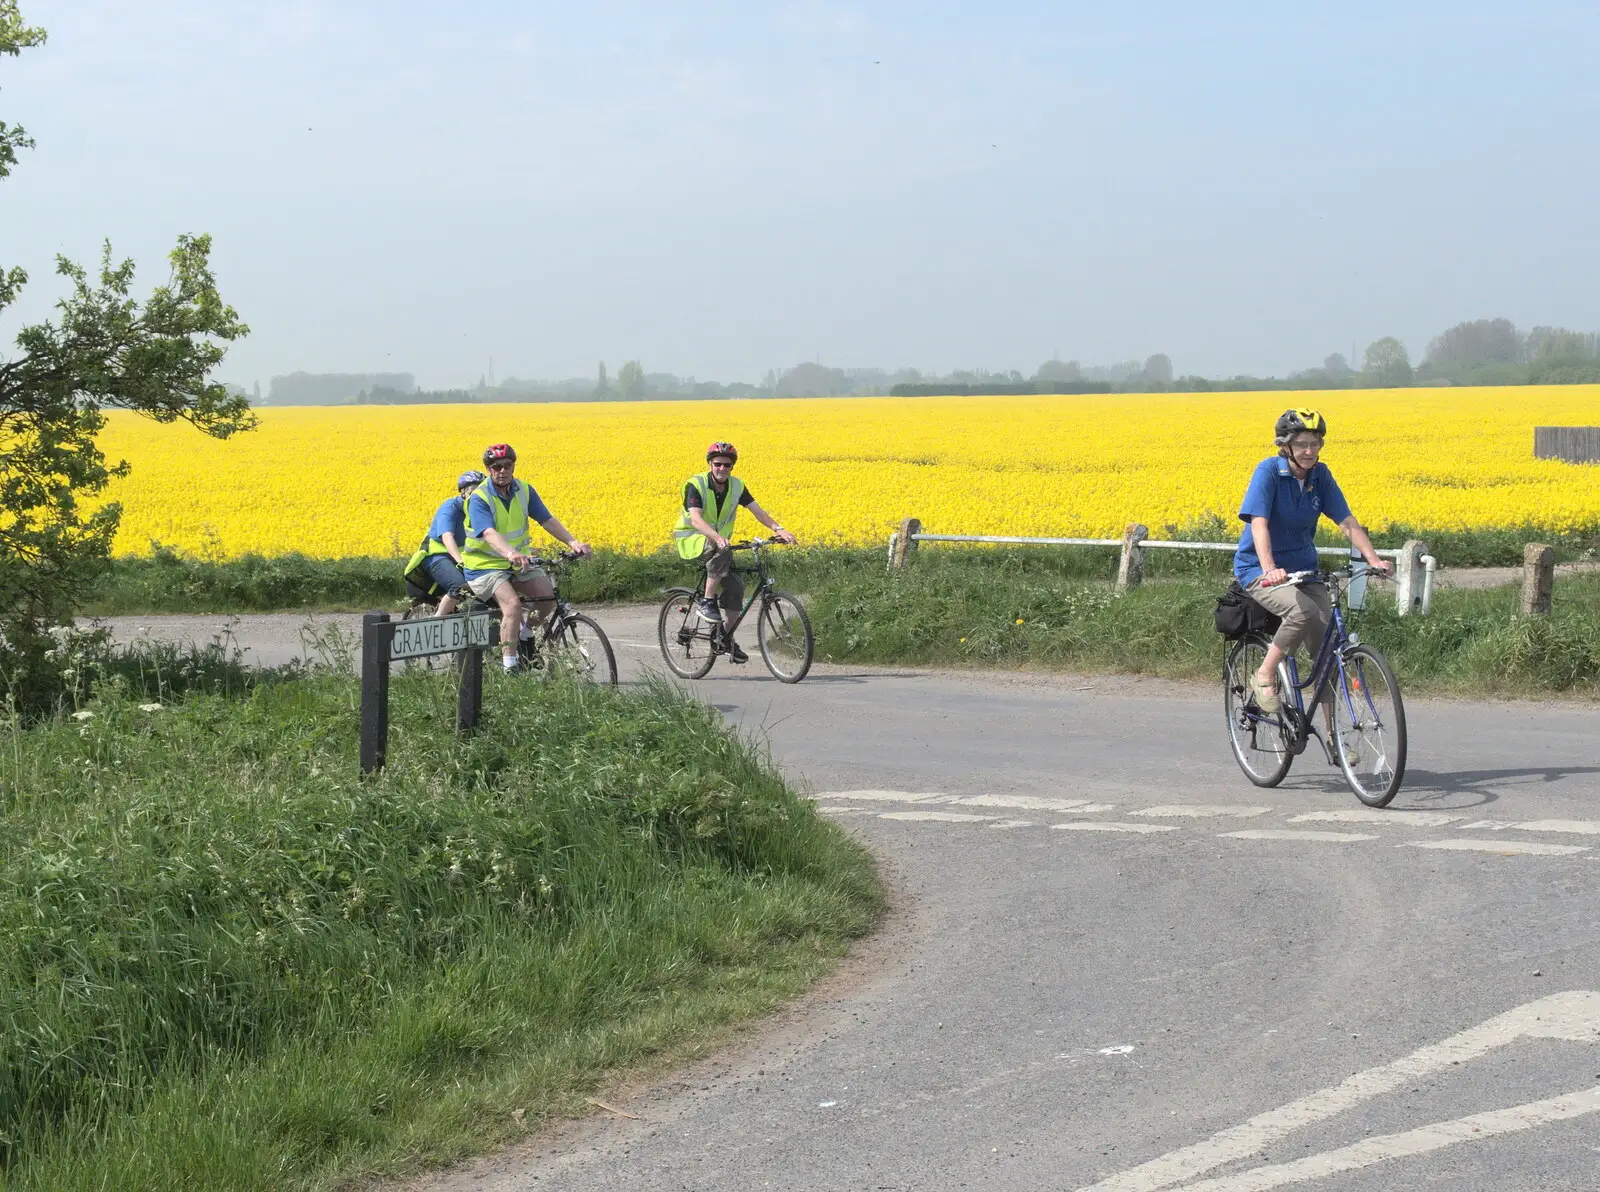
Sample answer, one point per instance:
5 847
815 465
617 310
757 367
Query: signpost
385 641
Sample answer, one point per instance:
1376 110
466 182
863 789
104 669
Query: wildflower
85 714
151 708
1019 620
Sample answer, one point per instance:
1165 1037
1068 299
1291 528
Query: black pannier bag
1236 614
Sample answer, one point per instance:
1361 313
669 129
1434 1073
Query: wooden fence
1575 444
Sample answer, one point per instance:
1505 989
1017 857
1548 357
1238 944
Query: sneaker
735 653
1266 695
708 610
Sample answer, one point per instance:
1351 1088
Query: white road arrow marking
1573 1016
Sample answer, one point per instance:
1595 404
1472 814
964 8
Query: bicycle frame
756 590
1335 639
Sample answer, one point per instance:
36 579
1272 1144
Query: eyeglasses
1306 445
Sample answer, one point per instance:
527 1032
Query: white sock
508 661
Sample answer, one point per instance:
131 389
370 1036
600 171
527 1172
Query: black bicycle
1368 722
690 643
569 643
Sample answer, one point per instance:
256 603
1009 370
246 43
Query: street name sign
440 635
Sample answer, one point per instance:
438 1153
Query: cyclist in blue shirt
436 566
1288 493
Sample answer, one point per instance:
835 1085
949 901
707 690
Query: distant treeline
1480 352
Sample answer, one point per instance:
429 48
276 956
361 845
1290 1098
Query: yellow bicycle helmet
1292 422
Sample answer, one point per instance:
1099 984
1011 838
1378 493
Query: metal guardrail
1414 569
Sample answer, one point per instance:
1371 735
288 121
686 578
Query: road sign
440 635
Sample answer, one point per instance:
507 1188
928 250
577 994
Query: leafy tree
1557 343
630 381
1158 369
1387 364
105 350
1059 370
1337 366
1495 340
602 387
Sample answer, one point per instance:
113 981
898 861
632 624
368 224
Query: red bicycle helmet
721 448
498 453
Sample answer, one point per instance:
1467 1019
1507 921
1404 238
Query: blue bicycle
1353 684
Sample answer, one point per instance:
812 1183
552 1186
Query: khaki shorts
485 586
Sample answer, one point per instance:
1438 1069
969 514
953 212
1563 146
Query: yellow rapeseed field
364 480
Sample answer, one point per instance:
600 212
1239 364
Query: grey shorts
485 586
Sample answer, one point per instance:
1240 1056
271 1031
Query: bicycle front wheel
685 638
579 648
1369 726
1260 740
784 632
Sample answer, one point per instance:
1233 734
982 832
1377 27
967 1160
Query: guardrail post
1538 578
469 707
377 631
904 543
1130 571
1409 574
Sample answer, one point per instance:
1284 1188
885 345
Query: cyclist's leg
443 571
535 586
719 571
1303 621
496 587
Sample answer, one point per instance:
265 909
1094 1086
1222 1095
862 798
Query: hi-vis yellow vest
691 542
430 546
511 518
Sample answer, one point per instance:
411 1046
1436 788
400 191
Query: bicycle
569 642
691 644
1368 723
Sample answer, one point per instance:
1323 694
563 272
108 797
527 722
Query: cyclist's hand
719 542
1274 577
784 536
1382 566
580 548
518 560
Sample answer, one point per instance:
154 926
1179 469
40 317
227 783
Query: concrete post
1130 571
904 544
1538 579
1409 575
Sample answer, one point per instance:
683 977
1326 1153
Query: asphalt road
1117 965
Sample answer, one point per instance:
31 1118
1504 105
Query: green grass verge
230 963
955 609
171 583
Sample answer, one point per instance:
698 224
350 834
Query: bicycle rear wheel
784 632
685 638
1369 726
1260 740
578 647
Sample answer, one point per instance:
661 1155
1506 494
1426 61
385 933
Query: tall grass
959 609
230 962
167 582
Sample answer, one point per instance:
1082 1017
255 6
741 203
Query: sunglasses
502 467
722 463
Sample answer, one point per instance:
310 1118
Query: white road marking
1201 810
1508 848
943 817
1292 834
1111 826
1029 803
1412 1142
1371 815
1013 824
846 810
882 797
1572 827
1573 1016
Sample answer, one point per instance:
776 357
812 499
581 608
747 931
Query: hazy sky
717 189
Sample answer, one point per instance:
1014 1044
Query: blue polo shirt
1291 509
480 517
450 518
